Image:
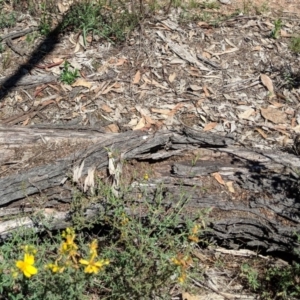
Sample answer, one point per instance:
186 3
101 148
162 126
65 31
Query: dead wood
28 81
261 212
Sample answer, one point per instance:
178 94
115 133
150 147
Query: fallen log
253 195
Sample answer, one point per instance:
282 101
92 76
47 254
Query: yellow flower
146 176
182 261
93 266
182 278
175 261
26 265
69 236
68 232
193 238
55 268
196 229
124 220
93 247
69 247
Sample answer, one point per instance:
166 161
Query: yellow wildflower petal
182 278
29 258
88 269
84 262
20 264
175 261
102 262
94 245
29 271
26 265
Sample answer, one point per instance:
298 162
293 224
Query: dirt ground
215 70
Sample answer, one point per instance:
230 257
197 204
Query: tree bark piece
262 212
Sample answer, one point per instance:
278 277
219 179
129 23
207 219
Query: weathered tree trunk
260 210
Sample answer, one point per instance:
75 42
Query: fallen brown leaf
219 178
141 124
205 90
112 128
172 77
210 126
230 187
137 77
106 108
161 111
262 133
195 87
273 115
267 82
257 48
246 114
121 62
82 82
175 109
187 296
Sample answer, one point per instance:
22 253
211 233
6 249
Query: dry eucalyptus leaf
267 82
82 82
296 129
246 114
219 178
230 187
77 48
172 77
175 109
195 87
161 111
283 33
262 133
141 124
106 108
112 128
273 115
205 90
132 122
257 48
187 296
89 181
203 24
210 126
137 77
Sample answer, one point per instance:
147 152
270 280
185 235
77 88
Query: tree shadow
40 52
76 14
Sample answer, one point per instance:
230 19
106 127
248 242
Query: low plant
250 7
68 75
31 37
155 248
6 60
45 20
251 276
145 248
283 282
2 48
111 22
210 5
54 269
295 44
275 33
7 20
